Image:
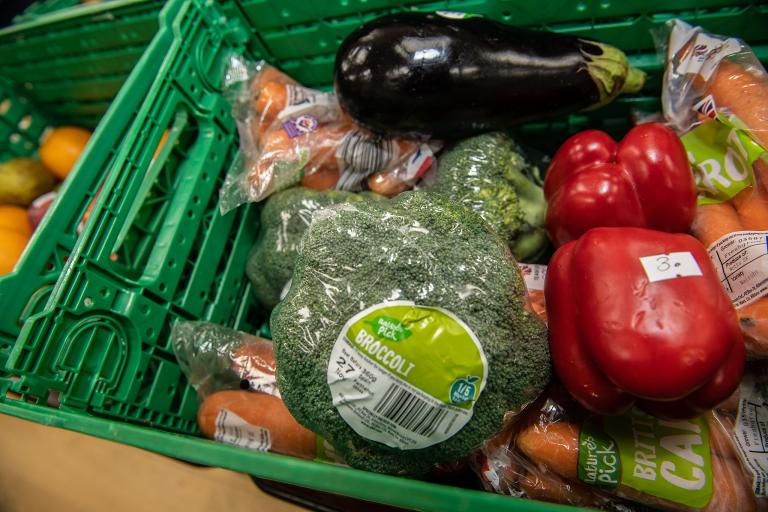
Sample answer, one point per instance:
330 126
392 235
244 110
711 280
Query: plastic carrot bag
234 376
534 277
558 452
715 94
292 135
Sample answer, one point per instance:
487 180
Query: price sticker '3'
661 267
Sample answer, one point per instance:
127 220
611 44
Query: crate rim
404 492
67 14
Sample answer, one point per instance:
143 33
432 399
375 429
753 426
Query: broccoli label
388 327
406 375
383 353
463 390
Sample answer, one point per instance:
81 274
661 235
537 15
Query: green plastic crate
71 63
93 352
47 69
43 7
21 123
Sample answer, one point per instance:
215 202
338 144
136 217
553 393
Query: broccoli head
284 220
426 249
488 173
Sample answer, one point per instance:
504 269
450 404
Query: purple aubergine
436 75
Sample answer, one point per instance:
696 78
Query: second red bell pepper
639 316
643 181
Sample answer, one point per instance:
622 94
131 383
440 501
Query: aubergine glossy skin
422 74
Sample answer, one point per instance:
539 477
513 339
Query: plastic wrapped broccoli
490 174
284 219
404 338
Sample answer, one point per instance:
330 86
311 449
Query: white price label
234 430
750 429
534 275
661 267
740 261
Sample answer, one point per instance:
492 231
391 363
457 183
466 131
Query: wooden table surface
50 469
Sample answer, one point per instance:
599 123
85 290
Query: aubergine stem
610 71
634 82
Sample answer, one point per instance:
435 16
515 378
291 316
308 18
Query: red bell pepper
659 332
644 181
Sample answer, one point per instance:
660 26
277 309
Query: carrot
760 169
270 74
271 101
745 94
322 144
752 206
731 404
387 184
753 319
255 358
714 221
554 446
537 304
731 488
260 411
719 437
541 485
323 178
747 211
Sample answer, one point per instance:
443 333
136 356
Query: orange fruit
61 149
12 244
15 218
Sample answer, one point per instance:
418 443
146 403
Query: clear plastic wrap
715 94
709 76
490 174
404 338
291 134
535 277
234 376
284 220
214 358
558 452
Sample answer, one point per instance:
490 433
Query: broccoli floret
424 248
488 174
284 220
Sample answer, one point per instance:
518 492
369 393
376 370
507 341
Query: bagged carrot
534 277
292 135
234 375
558 452
710 76
715 94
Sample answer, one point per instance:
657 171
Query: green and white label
667 459
406 375
721 155
599 462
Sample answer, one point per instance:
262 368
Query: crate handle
180 121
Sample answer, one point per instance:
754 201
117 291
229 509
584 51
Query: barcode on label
360 155
410 411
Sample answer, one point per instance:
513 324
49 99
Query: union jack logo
707 107
700 50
